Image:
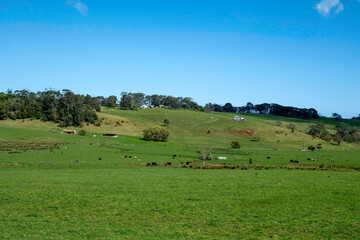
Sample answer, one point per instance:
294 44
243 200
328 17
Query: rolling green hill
190 132
59 186
217 129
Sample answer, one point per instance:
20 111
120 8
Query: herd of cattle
149 164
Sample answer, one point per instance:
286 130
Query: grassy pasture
153 203
53 185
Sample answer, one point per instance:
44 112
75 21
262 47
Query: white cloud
79 6
329 7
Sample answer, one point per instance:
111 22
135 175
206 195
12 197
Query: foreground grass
53 186
163 203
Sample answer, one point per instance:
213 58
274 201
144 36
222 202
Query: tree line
70 109
65 107
132 101
266 108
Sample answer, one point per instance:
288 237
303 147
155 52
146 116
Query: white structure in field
146 106
237 118
222 158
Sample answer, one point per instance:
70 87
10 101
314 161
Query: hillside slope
201 129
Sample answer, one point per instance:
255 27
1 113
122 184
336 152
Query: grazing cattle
174 156
250 161
130 157
296 161
165 164
153 164
313 160
169 163
121 157
139 157
331 160
148 164
99 158
268 157
125 156
187 163
291 160
309 159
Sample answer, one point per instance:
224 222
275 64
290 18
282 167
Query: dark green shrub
235 144
98 123
256 138
82 132
166 122
156 134
311 148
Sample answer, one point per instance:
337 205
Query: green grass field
53 186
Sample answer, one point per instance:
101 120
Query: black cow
153 164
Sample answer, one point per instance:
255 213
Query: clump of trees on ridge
266 108
65 107
343 132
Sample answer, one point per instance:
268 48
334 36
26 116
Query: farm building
237 118
144 106
110 135
72 132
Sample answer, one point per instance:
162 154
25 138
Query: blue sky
298 53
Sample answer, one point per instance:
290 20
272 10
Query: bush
156 134
82 132
292 127
235 144
98 123
166 122
256 138
311 148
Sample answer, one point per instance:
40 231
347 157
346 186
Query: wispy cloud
329 7
79 6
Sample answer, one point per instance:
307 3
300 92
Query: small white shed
237 118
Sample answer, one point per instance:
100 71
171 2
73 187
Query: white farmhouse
237 118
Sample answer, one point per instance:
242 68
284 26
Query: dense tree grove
266 108
135 100
343 132
65 108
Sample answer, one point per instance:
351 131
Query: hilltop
205 129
